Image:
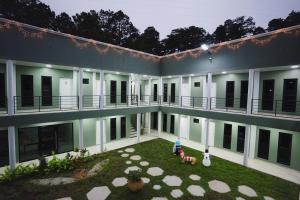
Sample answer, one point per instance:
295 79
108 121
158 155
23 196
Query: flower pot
135 186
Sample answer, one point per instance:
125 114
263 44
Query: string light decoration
103 48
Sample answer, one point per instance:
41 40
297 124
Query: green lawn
159 153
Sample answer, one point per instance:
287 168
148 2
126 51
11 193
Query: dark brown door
165 95
165 119
244 94
227 136
173 88
289 96
123 91
47 140
2 91
46 91
3 148
123 127
229 102
263 144
172 124
267 95
154 116
113 130
241 139
113 91
284 148
155 92
27 90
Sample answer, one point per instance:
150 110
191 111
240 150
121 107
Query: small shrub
20 171
59 165
134 175
42 163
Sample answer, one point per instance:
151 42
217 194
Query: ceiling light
294 66
144 76
224 72
192 75
169 76
204 47
88 70
48 65
117 72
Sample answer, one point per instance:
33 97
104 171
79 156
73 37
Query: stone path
268 198
144 163
132 168
172 181
135 157
120 151
130 150
156 187
54 181
155 171
97 168
177 193
119 182
218 186
239 198
247 191
128 162
196 190
159 198
145 180
124 155
195 177
65 198
98 193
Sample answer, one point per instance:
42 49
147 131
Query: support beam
180 91
12 147
159 123
250 91
138 127
81 144
101 93
137 88
247 144
149 123
255 92
208 90
80 89
101 128
206 123
160 90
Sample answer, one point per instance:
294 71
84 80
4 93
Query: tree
292 19
183 39
258 30
275 24
64 23
149 41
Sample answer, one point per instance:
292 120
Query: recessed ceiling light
204 47
48 65
117 72
224 72
131 74
88 70
169 76
294 66
192 75
144 76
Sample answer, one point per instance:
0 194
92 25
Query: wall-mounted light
118 73
294 66
224 72
88 70
145 76
48 65
169 76
192 75
205 47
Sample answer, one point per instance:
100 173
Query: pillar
180 91
138 127
101 128
208 90
101 93
159 124
80 96
81 145
206 124
149 123
160 90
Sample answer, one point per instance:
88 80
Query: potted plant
135 182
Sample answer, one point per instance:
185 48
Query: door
184 126
123 91
227 136
185 93
113 92
154 116
263 144
3 148
2 91
27 90
173 88
284 148
241 139
65 93
47 140
165 95
289 96
113 130
154 92
229 102
267 95
123 127
244 94
165 121
172 124
46 90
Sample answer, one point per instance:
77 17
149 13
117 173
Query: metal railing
31 104
170 100
91 101
194 102
120 100
280 108
228 105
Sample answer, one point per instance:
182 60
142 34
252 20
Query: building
240 99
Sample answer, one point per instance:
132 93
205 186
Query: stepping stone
159 198
144 163
172 180
54 181
195 177
124 155
219 186
155 171
120 151
196 190
145 180
176 193
268 198
65 198
97 168
133 168
98 193
247 191
239 198
128 162
130 150
119 182
135 157
156 187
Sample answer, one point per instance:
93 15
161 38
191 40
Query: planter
135 186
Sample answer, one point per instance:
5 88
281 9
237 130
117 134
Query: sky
166 15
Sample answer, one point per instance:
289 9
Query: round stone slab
135 157
176 193
98 193
195 177
156 187
145 180
128 162
218 186
65 198
239 198
196 190
132 168
124 155
172 180
119 182
144 163
130 150
120 151
268 198
247 191
159 198
155 171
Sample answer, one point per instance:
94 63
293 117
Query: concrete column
160 89
149 123
252 141
101 93
101 128
206 123
250 91
129 89
208 90
247 144
11 93
138 127
180 90
255 93
137 88
159 123
75 83
80 89
81 144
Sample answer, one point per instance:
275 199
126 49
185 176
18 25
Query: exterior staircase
132 132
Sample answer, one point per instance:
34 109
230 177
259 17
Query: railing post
99 101
127 100
169 100
39 103
137 100
210 103
14 105
275 107
78 102
180 101
251 104
59 102
193 102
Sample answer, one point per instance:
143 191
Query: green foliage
20 171
59 165
134 175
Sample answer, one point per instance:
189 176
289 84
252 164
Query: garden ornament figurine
187 159
177 147
206 161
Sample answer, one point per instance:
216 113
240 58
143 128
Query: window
244 94
165 118
268 95
165 95
113 91
172 124
3 148
289 96
85 81
196 121
2 91
46 91
154 92
173 87
241 139
196 84
113 131
123 127
123 91
263 144
27 90
227 136
229 102
284 148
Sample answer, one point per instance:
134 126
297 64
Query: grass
158 154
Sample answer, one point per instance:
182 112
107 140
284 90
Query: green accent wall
195 129
197 91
